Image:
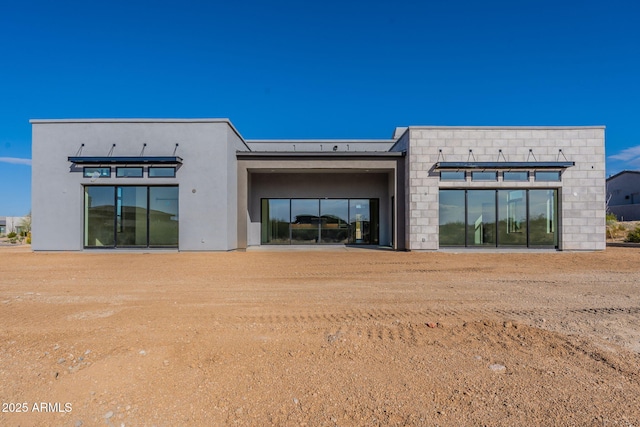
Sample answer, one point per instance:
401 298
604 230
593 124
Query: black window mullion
115 216
466 218
147 207
495 227
528 224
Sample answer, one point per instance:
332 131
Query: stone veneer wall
581 196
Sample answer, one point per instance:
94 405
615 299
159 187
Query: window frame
494 175
119 168
542 172
85 173
155 168
453 173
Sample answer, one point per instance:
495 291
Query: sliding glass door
131 216
504 217
99 211
313 221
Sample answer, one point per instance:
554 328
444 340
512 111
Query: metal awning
127 160
504 165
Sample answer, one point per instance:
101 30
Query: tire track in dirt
408 326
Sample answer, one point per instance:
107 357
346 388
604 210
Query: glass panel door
99 216
452 217
542 218
359 221
481 218
131 216
512 217
163 216
334 221
276 216
305 221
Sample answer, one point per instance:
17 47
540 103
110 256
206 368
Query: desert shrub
12 235
633 236
614 228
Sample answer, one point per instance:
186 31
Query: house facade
623 195
198 185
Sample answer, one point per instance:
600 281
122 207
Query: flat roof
103 120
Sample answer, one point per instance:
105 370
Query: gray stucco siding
58 193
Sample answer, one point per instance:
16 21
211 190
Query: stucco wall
624 189
57 196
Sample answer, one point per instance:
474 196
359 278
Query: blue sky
310 69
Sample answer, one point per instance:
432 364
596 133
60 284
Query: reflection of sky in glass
100 196
541 203
359 210
335 208
304 208
279 209
481 204
133 196
164 199
451 206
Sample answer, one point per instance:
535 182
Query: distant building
623 195
10 224
198 185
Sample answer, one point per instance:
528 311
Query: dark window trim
464 176
115 219
319 199
140 168
84 171
528 176
557 219
535 176
494 175
161 176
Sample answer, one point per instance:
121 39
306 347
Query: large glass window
452 217
163 216
359 221
99 223
334 216
542 218
305 219
512 217
131 216
481 217
276 217
310 221
524 217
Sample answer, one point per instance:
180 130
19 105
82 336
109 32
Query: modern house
198 185
12 224
623 195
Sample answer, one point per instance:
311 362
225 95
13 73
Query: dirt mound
364 338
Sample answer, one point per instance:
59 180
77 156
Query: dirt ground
346 337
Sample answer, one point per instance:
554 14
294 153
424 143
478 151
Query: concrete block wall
581 190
